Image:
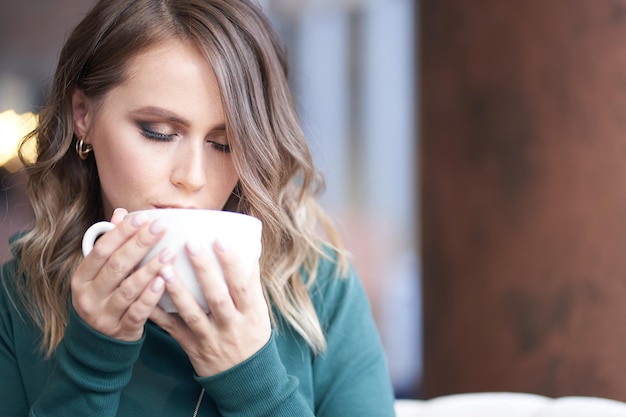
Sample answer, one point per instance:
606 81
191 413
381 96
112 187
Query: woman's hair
278 181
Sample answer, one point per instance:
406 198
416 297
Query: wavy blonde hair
278 180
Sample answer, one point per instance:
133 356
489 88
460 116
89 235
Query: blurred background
353 76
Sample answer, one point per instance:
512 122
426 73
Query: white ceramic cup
241 232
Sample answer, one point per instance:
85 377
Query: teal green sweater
91 374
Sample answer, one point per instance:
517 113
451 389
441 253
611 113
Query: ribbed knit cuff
95 360
260 382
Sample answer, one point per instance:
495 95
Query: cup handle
94 231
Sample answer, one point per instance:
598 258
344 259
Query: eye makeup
150 132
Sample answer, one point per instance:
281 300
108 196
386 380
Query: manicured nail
138 220
167 255
157 227
167 272
222 245
117 211
195 248
158 284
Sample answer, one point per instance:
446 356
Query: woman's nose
189 171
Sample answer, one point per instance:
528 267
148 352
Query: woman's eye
151 133
221 147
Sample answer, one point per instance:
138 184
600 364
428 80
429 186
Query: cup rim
193 211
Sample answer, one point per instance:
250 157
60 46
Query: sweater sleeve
13 400
89 373
351 378
260 383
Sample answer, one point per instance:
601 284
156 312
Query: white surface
507 404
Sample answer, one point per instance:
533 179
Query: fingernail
117 211
157 227
167 255
158 284
168 274
222 245
194 248
138 220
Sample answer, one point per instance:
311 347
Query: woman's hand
108 292
238 324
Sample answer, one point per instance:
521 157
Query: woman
185 103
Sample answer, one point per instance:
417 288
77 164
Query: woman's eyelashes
153 133
221 147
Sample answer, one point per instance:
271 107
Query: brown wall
524 196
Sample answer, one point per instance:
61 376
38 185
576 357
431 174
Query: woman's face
159 138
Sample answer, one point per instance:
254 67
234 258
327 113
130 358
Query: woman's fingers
106 246
241 276
124 312
118 215
188 308
229 284
108 290
174 325
125 258
132 288
238 324
139 311
212 281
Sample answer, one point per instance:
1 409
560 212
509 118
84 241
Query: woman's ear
82 112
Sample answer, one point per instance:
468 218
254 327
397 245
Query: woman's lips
174 206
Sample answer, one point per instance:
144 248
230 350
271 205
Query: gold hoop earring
83 149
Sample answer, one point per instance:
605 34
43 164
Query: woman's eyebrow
170 116
162 114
